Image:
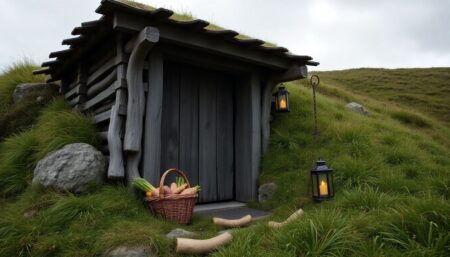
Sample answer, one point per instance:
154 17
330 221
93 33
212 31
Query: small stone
73 168
25 89
266 191
178 232
126 251
356 107
39 99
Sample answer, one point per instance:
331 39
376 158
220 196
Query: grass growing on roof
187 16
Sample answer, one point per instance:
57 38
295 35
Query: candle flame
283 104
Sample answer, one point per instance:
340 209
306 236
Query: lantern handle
315 80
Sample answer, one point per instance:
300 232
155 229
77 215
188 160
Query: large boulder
73 167
356 107
266 191
23 90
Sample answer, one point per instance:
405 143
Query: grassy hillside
392 190
427 90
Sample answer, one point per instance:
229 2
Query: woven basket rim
170 197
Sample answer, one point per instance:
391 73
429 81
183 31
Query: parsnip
185 245
179 189
233 223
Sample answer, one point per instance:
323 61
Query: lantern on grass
282 100
322 181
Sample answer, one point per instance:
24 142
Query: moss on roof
187 17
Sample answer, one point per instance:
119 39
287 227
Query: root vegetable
179 189
156 192
173 187
233 223
148 194
295 215
191 190
185 245
167 190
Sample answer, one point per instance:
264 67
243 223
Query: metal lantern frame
322 181
281 94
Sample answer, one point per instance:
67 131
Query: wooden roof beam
197 40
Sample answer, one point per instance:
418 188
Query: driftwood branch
136 97
193 246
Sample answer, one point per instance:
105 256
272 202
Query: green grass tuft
56 127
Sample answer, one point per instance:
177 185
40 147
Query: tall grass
56 127
17 117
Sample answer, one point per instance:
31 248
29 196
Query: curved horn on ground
233 223
194 246
295 215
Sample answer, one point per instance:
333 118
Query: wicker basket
175 207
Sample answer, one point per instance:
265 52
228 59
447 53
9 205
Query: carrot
173 187
148 194
179 189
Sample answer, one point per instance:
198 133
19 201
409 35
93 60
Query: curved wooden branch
116 162
185 245
295 215
136 97
233 223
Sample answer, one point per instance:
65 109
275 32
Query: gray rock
266 191
25 89
126 251
356 107
71 168
178 232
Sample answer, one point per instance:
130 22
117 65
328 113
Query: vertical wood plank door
197 131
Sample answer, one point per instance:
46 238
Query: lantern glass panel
323 185
314 185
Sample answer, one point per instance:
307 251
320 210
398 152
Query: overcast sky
338 34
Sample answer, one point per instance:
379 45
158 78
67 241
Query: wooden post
116 169
265 115
82 85
248 136
152 135
136 96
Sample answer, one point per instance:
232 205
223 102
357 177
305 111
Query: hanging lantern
282 100
322 181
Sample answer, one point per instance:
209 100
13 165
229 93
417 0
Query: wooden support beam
152 139
248 134
116 167
102 84
266 103
102 96
136 96
293 73
104 116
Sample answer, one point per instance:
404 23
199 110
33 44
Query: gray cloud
339 34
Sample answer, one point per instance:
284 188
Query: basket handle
163 178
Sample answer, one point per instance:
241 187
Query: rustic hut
170 92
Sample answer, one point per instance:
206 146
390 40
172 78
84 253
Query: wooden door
197 130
